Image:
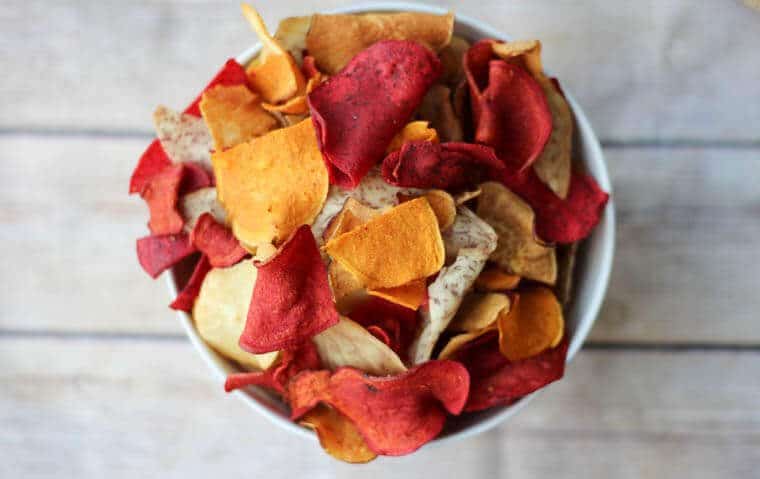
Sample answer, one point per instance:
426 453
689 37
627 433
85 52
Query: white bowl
592 271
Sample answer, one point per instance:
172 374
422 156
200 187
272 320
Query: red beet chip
397 323
195 177
291 299
446 166
152 161
395 415
186 298
161 194
277 377
509 108
217 242
558 220
357 112
232 73
158 253
497 381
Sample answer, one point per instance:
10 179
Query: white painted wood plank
688 247
643 70
125 409
685 269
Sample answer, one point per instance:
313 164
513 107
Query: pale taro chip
185 138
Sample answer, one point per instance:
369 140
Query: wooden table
97 380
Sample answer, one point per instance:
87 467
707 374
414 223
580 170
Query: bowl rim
593 159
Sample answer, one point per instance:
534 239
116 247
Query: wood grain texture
683 267
115 409
649 70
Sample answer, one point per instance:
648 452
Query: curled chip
495 380
184 137
557 220
443 205
566 266
446 166
350 344
479 311
337 435
220 310
470 241
532 325
277 375
395 415
408 235
353 128
494 279
233 115
413 131
272 184
517 250
465 196
159 253
346 288
194 178
437 108
461 341
354 214
192 205
161 194
275 74
216 242
186 298
151 163
333 40
291 300
509 107
553 166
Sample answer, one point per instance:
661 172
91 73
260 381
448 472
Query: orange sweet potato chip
275 74
443 205
233 114
337 435
517 251
272 184
533 324
395 415
413 131
399 246
410 295
494 279
333 40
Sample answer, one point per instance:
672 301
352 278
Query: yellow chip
410 295
517 250
291 35
395 248
337 435
275 74
220 312
353 214
533 324
347 290
494 279
271 185
479 311
298 104
413 131
233 114
553 166
333 40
